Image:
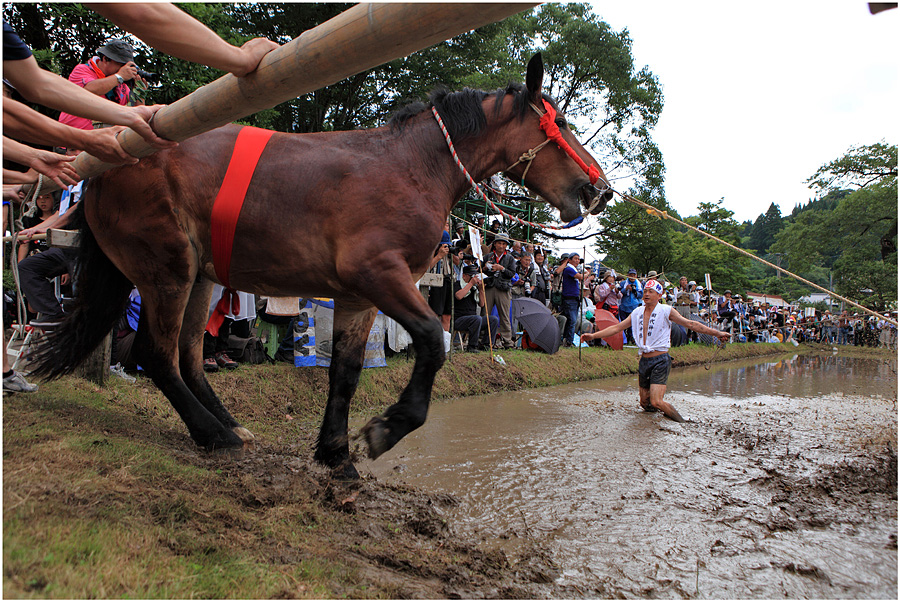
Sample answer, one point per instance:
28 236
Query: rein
549 126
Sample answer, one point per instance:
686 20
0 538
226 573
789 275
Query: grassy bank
106 496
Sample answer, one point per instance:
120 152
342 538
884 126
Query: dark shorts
654 370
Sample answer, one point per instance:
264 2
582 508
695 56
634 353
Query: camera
147 75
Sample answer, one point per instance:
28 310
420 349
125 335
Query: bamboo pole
360 38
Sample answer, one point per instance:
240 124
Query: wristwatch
120 79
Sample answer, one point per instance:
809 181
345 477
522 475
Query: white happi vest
659 329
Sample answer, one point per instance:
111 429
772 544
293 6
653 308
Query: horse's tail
101 295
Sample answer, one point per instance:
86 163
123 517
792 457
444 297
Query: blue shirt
14 49
570 286
631 299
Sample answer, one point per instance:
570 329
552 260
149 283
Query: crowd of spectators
574 293
95 102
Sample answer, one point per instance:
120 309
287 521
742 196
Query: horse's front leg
409 413
351 331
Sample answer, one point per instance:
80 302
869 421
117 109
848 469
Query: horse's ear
534 76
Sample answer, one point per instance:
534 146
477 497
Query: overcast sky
758 95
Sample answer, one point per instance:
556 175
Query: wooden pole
360 38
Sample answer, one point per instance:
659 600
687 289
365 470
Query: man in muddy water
651 326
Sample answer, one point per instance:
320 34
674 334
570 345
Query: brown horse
355 216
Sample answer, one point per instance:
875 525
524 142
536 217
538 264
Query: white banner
475 239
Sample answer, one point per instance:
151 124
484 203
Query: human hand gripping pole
367 35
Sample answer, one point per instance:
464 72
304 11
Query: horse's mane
462 111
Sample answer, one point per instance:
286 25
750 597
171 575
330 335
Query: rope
719 346
664 215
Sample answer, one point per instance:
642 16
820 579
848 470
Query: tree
762 235
632 238
858 238
695 255
858 168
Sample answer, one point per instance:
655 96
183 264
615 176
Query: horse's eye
561 123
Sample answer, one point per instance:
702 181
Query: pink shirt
81 75
607 294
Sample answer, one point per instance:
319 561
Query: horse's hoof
245 436
236 453
376 433
345 472
225 441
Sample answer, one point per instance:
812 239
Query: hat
652 274
118 50
445 238
459 225
563 257
501 236
692 283
571 255
654 285
609 273
727 292
632 271
470 270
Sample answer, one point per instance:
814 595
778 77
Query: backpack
248 351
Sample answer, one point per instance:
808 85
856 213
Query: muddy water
784 483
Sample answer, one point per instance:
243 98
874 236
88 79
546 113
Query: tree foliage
858 168
763 231
857 239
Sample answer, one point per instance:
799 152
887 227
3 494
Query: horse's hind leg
156 350
190 358
351 331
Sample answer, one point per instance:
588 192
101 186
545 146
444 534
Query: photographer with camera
541 288
104 75
500 269
469 300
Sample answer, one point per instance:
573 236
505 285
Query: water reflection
797 376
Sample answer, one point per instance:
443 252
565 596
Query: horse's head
549 159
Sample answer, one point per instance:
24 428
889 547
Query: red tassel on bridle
548 124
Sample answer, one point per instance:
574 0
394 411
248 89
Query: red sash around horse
248 147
